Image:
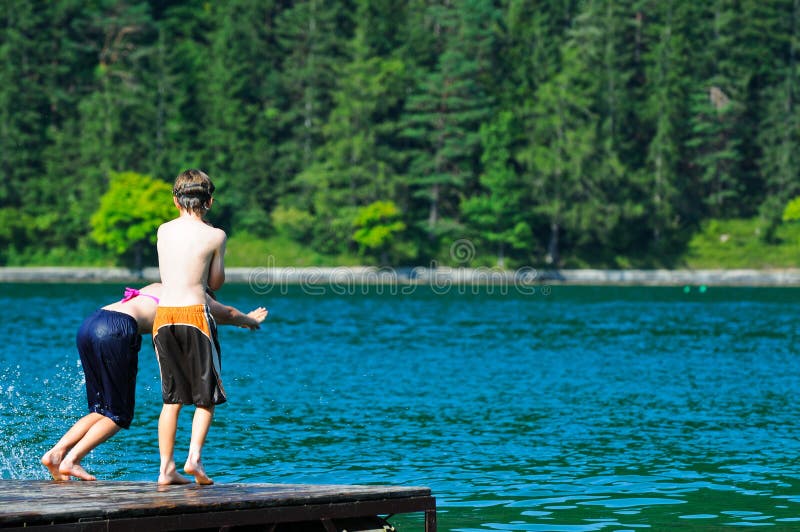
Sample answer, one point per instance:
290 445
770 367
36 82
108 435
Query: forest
544 132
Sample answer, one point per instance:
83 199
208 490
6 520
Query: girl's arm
227 315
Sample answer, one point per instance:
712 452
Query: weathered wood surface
39 502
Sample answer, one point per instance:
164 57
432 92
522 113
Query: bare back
140 308
190 258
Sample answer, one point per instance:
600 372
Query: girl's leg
99 432
52 458
200 425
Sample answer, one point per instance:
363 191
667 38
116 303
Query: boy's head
193 190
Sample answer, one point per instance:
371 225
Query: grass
80 256
741 243
245 250
720 244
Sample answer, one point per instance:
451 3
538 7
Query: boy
108 342
190 261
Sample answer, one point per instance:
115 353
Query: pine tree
779 130
499 213
664 112
560 151
353 166
534 32
239 133
608 34
717 103
443 115
179 79
579 119
22 106
311 35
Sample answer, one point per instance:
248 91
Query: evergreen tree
779 130
311 36
715 149
530 54
383 24
575 155
634 120
717 103
116 112
354 167
179 79
119 36
559 154
664 112
23 106
607 33
499 214
443 115
764 30
239 133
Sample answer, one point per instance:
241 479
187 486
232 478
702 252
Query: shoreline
438 277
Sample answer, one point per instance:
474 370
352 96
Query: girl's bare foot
51 461
68 469
195 468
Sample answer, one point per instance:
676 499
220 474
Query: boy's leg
53 457
167 427
200 425
99 432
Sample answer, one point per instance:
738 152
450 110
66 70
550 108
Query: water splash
35 410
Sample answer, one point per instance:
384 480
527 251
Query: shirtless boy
190 260
109 341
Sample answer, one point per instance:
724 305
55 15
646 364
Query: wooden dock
133 506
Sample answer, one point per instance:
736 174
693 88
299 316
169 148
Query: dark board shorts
185 341
109 343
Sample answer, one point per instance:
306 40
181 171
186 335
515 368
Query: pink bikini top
130 293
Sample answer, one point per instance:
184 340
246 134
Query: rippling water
585 409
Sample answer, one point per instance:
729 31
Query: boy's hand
259 315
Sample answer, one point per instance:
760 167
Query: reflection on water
587 409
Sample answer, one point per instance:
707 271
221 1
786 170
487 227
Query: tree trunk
433 213
552 247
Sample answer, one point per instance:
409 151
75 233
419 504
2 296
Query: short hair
193 190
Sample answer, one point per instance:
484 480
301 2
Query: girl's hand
259 315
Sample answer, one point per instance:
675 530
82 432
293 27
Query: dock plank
26 503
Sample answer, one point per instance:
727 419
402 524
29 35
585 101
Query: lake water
577 409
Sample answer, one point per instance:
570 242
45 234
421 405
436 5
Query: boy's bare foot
69 469
51 461
195 468
170 475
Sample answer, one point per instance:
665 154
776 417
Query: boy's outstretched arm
227 315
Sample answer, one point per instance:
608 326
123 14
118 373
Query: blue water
613 408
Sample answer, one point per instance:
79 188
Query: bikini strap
130 293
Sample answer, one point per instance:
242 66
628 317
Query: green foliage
499 214
377 226
292 222
444 112
130 212
739 243
250 251
792 211
663 112
633 122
